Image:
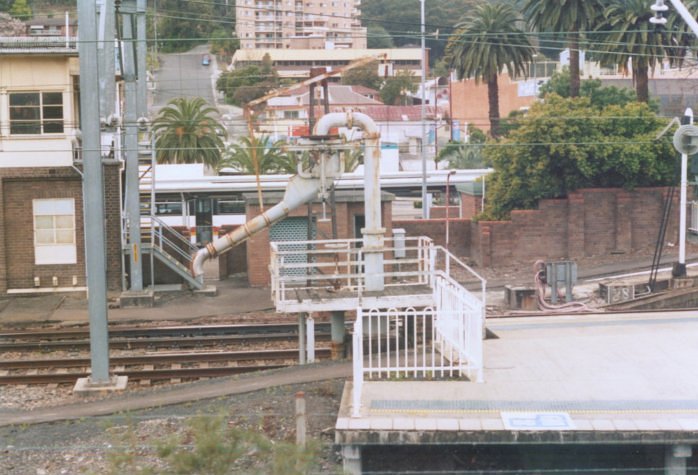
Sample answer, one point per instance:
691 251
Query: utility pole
141 63
93 193
107 61
132 208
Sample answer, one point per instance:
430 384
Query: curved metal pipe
299 190
373 232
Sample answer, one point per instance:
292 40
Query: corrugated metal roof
38 45
342 54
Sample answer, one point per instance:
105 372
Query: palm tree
185 132
627 37
257 156
559 16
486 43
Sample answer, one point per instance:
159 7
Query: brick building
41 205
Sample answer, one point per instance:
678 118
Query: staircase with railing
425 324
166 245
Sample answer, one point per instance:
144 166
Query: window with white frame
36 113
54 231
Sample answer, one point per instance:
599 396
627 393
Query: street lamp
448 202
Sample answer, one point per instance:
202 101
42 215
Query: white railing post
357 360
310 329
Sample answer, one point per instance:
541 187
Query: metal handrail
181 239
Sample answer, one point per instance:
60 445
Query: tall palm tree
253 155
564 16
186 132
486 43
627 37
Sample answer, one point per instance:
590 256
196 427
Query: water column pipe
299 190
373 233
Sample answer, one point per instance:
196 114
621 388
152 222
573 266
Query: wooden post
300 418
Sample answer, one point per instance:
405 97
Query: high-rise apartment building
303 24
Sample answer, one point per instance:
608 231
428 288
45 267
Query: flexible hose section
540 293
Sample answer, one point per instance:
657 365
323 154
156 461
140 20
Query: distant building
306 24
297 63
55 26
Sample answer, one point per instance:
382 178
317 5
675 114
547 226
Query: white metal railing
338 264
694 218
434 342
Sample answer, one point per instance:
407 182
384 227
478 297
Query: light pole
448 203
681 270
425 211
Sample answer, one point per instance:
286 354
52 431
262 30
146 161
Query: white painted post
357 363
310 329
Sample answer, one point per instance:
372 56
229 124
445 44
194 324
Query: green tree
599 95
378 37
395 89
366 75
566 144
487 43
249 83
21 10
401 18
465 155
571 16
180 27
259 156
627 36
186 132
224 43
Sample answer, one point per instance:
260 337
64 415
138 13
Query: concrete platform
615 379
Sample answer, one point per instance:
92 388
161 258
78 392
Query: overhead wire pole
141 63
93 192
425 210
107 62
133 211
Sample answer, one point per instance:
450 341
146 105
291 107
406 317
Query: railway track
30 364
155 337
150 367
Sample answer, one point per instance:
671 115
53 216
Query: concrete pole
302 356
425 210
351 459
675 459
141 63
93 192
133 211
107 58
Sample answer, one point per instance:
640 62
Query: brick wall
459 242
18 187
590 222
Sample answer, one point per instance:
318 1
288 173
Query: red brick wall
589 222
18 187
470 205
459 230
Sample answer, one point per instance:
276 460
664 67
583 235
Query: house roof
339 95
386 113
23 45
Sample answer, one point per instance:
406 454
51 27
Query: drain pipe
299 190
373 233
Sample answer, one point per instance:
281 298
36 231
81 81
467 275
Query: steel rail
134 343
139 375
258 355
179 330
